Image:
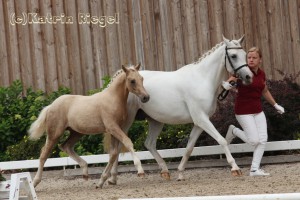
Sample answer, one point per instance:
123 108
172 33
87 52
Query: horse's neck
213 67
118 89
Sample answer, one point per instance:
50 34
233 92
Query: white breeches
255 133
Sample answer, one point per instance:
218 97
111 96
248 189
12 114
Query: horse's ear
225 39
241 39
138 66
124 68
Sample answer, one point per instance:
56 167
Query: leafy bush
287 93
17 112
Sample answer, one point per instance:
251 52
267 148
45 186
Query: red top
248 99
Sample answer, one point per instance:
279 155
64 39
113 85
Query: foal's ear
124 69
241 39
138 66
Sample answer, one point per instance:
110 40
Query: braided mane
209 52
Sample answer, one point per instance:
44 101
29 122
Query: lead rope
225 92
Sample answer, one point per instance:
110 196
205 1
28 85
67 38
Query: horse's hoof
165 175
142 175
112 183
85 177
236 173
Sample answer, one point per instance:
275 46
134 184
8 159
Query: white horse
188 95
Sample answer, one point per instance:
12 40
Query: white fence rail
146 155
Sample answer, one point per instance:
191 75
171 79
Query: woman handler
249 113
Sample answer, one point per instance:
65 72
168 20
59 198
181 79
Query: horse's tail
38 127
106 143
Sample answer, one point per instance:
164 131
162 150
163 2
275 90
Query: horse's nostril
248 77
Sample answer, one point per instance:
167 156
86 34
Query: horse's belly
169 115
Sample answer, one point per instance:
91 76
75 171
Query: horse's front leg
195 133
208 127
155 129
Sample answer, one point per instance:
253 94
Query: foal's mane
209 52
120 71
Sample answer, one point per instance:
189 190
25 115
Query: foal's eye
233 56
132 81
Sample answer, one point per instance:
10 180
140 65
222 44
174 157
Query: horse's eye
233 56
132 81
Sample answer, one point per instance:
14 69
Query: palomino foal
105 111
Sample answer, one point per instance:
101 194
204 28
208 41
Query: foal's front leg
118 134
113 154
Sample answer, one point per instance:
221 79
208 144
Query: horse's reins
225 92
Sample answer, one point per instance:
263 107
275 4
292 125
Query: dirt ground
285 178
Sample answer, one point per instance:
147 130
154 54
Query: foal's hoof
236 172
165 175
142 175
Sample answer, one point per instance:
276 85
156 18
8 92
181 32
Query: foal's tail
106 143
38 127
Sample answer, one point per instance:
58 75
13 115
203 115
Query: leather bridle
227 56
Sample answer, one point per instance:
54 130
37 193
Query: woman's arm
268 96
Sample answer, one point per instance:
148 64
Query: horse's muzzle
248 80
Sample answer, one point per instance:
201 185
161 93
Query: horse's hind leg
195 133
155 128
68 147
50 142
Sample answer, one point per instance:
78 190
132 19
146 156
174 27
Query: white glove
226 85
279 108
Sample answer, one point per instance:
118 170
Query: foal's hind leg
68 147
50 142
